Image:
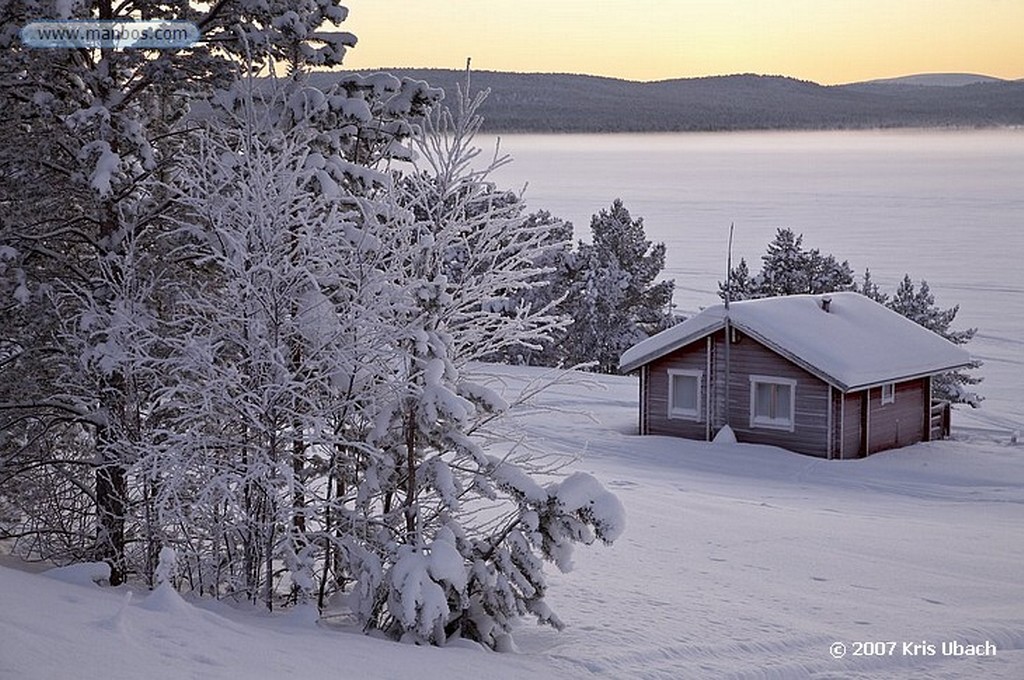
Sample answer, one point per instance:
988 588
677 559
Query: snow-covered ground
738 561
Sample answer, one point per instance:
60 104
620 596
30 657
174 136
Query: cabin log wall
810 436
691 358
899 423
852 426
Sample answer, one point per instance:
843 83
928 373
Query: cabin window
772 402
888 393
684 394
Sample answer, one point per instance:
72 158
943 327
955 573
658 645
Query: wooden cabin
834 376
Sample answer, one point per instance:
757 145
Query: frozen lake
945 206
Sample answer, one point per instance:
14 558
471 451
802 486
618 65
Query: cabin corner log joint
837 376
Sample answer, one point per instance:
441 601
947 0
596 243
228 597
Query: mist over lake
945 206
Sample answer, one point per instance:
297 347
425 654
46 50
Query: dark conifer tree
616 300
918 305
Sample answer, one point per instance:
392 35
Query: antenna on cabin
728 327
728 269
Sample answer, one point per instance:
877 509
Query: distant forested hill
574 103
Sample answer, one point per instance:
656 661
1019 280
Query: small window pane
782 401
763 400
684 395
684 392
771 402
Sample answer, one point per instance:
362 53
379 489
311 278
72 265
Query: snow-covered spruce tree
868 288
787 268
918 304
614 300
93 126
456 529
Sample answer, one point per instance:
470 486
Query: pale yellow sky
827 41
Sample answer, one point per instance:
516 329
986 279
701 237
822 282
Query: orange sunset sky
827 41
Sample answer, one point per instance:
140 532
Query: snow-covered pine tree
787 268
917 303
784 266
615 300
868 288
456 528
826 274
742 286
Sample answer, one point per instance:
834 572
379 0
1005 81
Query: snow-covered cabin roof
857 343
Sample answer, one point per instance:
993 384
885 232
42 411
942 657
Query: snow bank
725 436
83 574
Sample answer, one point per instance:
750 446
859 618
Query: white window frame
681 413
889 398
786 423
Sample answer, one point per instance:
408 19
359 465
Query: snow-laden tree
868 288
741 285
917 303
495 259
787 268
89 145
557 260
255 354
270 350
88 132
614 297
457 527
309 426
250 339
81 264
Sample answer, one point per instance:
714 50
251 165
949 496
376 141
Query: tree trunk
111 504
410 476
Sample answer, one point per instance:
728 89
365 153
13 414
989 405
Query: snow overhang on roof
857 343
671 339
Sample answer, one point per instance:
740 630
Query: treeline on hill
577 103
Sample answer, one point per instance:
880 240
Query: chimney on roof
826 302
